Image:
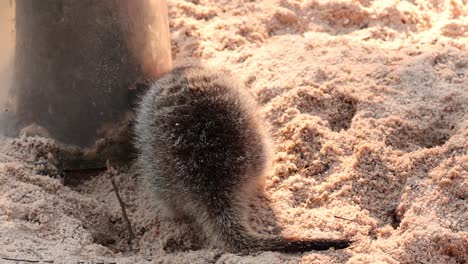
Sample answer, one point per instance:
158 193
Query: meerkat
203 151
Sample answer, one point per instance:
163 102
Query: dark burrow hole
405 136
434 139
106 229
345 111
395 218
73 178
337 108
181 244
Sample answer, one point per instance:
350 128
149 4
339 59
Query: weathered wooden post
76 63
7 45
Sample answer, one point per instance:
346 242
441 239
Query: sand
368 107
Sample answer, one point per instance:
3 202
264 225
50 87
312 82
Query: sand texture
368 107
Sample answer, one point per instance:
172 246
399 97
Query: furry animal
203 151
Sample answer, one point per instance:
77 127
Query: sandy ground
368 104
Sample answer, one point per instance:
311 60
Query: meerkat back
202 151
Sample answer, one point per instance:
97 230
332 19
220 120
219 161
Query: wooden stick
111 171
351 220
28 260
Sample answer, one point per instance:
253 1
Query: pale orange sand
368 105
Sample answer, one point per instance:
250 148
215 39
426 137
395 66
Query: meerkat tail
301 245
226 226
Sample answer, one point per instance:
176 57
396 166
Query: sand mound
368 106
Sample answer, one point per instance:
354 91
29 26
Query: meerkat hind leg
169 211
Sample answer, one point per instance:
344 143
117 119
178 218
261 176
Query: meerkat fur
203 152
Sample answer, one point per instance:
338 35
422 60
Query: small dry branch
342 218
27 260
111 171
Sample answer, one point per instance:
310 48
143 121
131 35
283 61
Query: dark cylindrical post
76 65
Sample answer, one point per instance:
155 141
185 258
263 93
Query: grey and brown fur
203 151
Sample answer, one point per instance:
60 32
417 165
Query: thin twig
111 171
24 260
27 260
351 220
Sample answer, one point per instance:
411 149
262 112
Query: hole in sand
335 107
377 187
98 210
395 218
404 135
74 178
182 243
